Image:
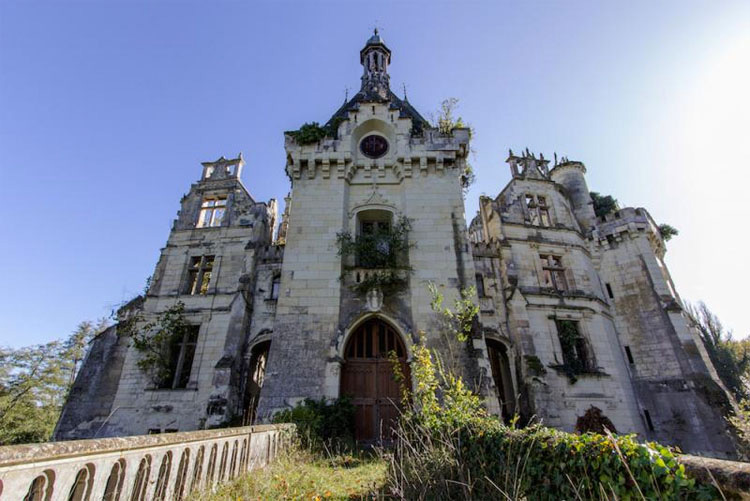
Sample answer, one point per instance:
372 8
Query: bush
320 423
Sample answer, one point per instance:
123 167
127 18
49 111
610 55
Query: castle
576 311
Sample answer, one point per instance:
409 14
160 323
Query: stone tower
380 165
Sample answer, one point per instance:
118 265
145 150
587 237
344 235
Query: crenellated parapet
629 222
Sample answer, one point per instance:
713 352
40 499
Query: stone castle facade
576 311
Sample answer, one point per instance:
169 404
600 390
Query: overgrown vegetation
445 121
312 132
303 475
447 447
384 249
730 357
156 342
35 381
667 231
322 425
603 205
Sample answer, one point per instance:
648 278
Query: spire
375 58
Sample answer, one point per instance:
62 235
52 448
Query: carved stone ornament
374 299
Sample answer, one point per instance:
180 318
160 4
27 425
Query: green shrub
320 423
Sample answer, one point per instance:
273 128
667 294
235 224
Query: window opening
181 361
629 354
480 285
275 287
609 291
553 273
538 210
574 350
199 274
648 420
212 212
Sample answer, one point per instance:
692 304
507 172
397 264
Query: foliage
445 121
535 365
603 205
34 383
468 178
730 358
381 249
667 232
321 424
460 320
740 421
303 475
448 447
312 132
156 341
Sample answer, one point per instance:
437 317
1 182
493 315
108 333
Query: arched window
115 482
84 481
140 483
497 352
41 487
162 481
182 468
223 463
211 467
197 469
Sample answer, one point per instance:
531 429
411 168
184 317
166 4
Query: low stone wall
733 477
145 467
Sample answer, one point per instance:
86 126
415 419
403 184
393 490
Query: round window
374 146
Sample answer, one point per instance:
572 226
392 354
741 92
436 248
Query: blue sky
108 108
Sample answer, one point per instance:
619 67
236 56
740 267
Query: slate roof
406 110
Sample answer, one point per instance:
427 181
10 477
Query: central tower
376 215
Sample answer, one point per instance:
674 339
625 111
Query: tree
730 358
34 382
667 232
603 205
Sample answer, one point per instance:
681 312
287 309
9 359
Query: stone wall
167 466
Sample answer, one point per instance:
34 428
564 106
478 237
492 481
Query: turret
375 58
570 175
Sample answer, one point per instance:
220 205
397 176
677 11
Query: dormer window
537 210
212 212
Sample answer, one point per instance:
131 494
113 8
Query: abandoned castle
576 311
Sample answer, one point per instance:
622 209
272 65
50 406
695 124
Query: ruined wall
89 403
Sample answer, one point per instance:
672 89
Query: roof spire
375 58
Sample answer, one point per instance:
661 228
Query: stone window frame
275 288
199 265
561 271
209 208
537 209
178 372
584 334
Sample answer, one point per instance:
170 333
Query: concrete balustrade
147 467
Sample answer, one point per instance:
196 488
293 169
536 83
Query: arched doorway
255 376
500 364
367 377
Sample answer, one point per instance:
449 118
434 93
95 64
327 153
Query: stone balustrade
147 467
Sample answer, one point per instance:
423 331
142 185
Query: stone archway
501 374
367 378
255 377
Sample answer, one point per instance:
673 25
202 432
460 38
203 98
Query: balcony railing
168 466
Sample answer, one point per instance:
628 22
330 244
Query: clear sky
108 108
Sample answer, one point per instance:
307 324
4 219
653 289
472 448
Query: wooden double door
368 378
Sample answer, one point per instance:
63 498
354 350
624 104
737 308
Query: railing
147 467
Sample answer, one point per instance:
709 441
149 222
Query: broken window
553 273
574 348
199 274
212 212
181 354
537 210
